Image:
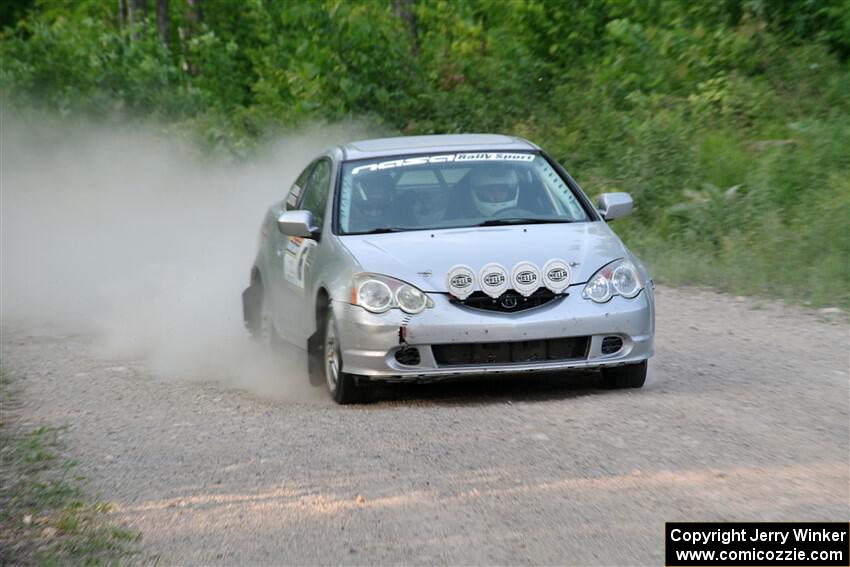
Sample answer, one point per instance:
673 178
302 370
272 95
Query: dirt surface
745 417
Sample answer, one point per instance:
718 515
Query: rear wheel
628 376
341 385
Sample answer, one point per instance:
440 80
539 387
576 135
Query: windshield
451 190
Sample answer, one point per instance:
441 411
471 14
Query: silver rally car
433 257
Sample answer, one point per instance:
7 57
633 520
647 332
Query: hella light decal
460 281
556 275
525 277
493 279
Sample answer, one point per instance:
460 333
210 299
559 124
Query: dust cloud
132 238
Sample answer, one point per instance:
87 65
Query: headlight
411 299
374 295
620 277
378 293
626 280
598 289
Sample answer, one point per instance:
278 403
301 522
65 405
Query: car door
298 254
276 252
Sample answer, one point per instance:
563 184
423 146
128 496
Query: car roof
406 145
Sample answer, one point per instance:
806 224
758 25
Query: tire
341 385
628 376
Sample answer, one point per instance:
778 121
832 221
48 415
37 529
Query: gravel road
745 417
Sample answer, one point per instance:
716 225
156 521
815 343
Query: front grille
544 350
508 302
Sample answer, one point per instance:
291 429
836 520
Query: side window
317 190
298 187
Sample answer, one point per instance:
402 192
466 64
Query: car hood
424 257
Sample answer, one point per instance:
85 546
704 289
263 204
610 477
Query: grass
45 516
739 216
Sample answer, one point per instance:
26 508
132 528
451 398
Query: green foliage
84 66
729 121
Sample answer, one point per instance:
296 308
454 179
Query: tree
194 15
122 14
162 19
406 10
194 18
135 14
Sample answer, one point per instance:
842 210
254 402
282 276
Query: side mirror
614 205
297 223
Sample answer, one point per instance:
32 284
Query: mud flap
315 358
252 299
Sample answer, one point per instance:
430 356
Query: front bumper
369 341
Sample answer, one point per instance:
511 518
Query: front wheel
628 376
341 385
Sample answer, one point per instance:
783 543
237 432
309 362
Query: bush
728 121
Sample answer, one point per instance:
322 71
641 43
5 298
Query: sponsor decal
493 279
294 193
443 158
292 246
460 281
494 156
556 275
295 261
525 277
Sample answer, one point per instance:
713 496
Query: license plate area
518 352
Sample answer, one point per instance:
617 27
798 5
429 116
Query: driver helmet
372 196
494 189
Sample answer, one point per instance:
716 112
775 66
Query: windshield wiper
382 230
500 222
